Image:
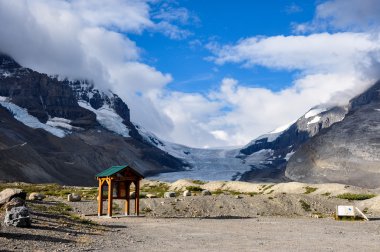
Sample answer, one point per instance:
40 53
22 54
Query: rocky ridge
348 152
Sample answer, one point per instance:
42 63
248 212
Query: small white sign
346 211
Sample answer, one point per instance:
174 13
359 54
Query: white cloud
315 53
87 39
344 15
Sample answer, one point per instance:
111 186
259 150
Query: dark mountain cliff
36 155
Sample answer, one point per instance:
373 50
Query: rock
169 195
36 196
15 202
18 217
206 193
186 193
151 196
73 197
238 197
9 193
132 195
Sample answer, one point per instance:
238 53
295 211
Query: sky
203 73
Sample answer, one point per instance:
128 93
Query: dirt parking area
251 234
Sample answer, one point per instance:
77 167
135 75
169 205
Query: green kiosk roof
115 169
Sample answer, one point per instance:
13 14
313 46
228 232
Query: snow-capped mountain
59 130
349 151
65 131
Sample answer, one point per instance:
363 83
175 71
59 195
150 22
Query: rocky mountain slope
347 152
280 144
66 131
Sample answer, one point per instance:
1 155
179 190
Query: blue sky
226 22
203 73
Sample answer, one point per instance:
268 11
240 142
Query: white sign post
349 211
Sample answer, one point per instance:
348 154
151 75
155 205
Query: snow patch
61 123
23 116
289 155
314 112
108 118
6 74
282 128
315 120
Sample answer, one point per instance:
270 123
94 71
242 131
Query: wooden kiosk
118 180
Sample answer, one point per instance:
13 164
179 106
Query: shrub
352 196
199 182
305 206
194 188
309 189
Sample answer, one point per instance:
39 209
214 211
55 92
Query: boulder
186 193
169 195
206 193
9 193
73 197
36 196
151 196
14 202
132 195
18 217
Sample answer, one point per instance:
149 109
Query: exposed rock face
281 145
348 152
10 193
14 202
72 197
18 217
34 155
41 95
36 196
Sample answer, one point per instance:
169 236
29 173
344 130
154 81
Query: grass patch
349 218
218 192
326 194
266 187
352 196
199 182
159 190
194 188
146 210
305 206
309 189
53 189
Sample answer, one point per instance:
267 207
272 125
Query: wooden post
100 197
110 196
137 197
128 197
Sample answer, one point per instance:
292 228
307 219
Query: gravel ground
252 234
272 221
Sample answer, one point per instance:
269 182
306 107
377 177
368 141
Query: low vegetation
352 196
60 209
199 182
159 190
53 189
309 189
305 206
194 188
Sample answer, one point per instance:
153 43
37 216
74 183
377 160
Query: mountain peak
8 63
